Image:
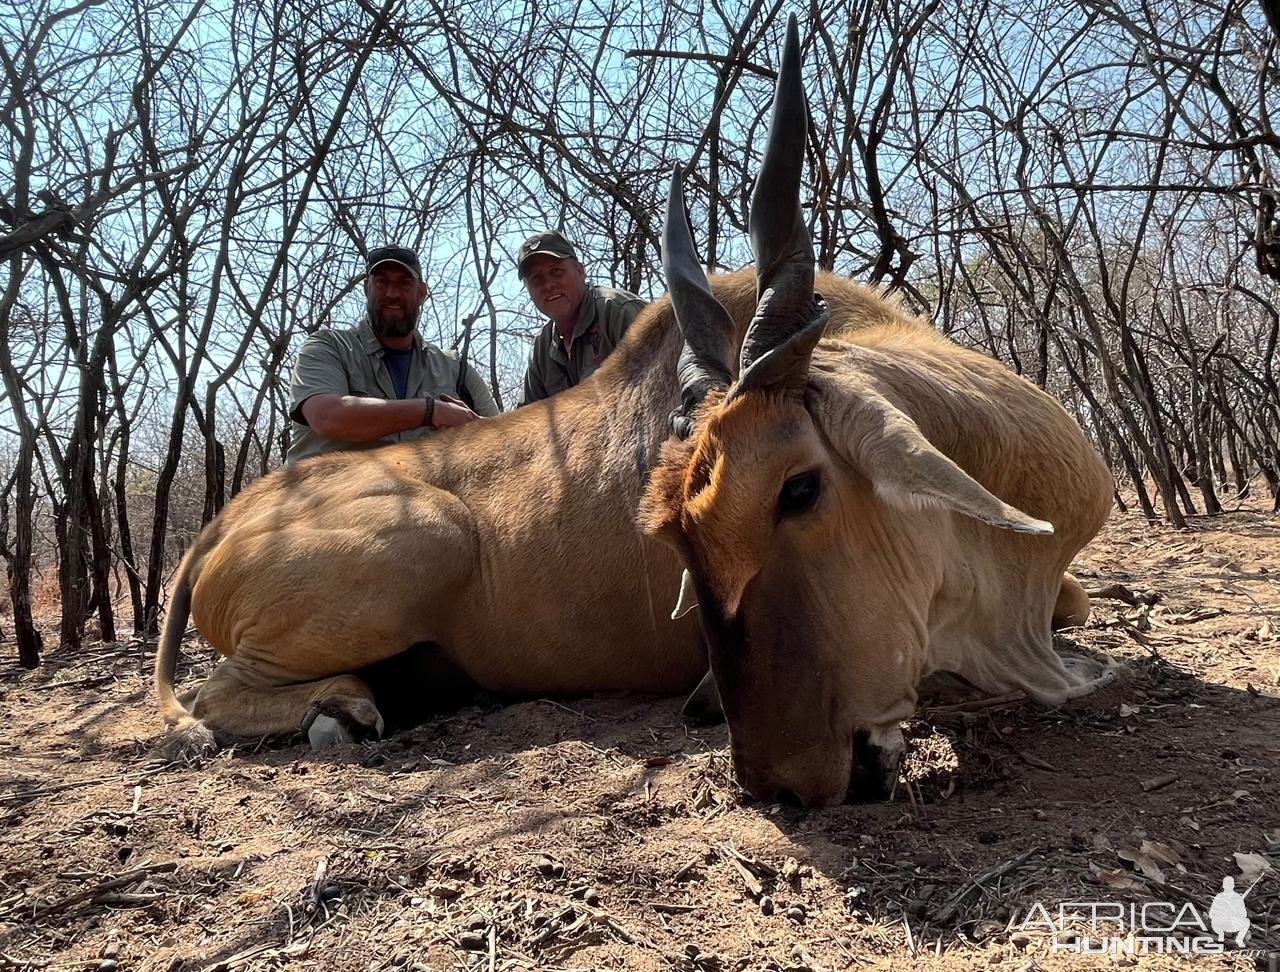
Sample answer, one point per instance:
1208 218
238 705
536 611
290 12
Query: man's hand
450 411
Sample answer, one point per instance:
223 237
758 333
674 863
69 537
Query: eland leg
236 702
1072 607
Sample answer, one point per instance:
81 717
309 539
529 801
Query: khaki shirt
350 362
603 317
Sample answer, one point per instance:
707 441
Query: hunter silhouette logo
1227 913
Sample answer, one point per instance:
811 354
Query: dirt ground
602 833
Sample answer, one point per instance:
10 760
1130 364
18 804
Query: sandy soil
601 833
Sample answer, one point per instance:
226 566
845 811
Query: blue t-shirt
398 365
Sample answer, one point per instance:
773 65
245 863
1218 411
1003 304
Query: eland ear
786 366
909 473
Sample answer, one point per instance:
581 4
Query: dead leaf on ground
1252 866
1149 857
1120 880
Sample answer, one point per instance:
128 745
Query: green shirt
603 317
350 362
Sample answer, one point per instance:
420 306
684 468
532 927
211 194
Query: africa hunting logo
1153 927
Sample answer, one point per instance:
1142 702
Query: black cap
394 254
550 244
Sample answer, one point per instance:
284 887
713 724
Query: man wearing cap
585 323
380 382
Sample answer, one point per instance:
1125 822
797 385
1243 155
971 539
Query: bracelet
429 413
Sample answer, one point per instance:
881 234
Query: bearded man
380 382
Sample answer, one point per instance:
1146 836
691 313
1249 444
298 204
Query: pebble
592 897
796 914
766 905
473 941
550 868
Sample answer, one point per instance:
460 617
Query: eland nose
784 789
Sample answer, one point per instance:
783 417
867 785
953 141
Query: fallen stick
1118 592
123 881
754 887
949 907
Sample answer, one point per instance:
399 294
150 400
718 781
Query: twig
763 72
949 908
750 880
561 705
24 795
944 713
685 868
1119 592
114 884
71 683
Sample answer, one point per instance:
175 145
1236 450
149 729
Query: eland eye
799 493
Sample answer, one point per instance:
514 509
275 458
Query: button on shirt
603 317
353 362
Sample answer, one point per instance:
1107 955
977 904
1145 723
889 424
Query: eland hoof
326 725
326 731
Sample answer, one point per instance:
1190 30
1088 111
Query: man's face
395 300
556 286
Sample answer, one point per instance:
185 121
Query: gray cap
549 243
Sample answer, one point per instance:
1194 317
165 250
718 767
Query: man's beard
396 326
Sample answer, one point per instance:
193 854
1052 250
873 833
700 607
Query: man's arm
479 391
319 396
350 418
619 317
535 388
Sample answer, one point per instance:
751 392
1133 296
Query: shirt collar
586 317
370 340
